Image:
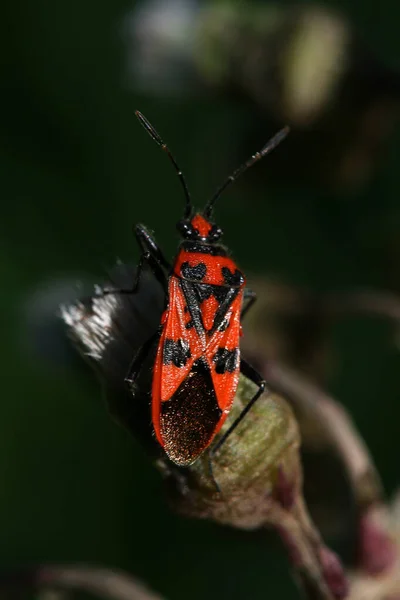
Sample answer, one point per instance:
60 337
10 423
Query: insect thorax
197 265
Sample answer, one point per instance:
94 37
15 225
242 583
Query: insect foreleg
147 244
152 255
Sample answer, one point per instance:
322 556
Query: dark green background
76 170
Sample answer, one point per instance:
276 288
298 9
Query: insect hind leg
139 359
248 371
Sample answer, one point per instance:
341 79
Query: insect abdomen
188 420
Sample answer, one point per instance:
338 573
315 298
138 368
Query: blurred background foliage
77 172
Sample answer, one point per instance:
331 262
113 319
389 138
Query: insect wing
223 356
185 409
178 347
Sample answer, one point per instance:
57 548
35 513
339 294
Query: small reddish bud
333 572
377 552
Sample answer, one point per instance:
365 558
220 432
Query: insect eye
185 229
215 233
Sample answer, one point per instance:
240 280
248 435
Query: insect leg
251 297
248 371
139 359
156 269
147 243
152 255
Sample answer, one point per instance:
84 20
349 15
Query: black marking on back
204 291
192 303
220 314
226 361
196 293
234 279
211 249
196 273
188 420
176 352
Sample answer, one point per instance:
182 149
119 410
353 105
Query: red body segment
214 266
197 367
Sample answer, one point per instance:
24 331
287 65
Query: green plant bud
246 468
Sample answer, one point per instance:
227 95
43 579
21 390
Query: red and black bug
198 362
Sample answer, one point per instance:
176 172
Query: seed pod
247 466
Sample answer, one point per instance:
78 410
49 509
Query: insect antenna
269 146
155 136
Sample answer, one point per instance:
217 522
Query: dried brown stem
307 553
377 551
335 425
